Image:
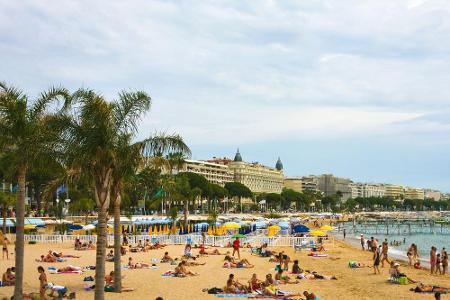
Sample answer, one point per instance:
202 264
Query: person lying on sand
137 265
314 275
8 278
60 254
69 268
204 252
192 264
231 263
284 279
427 288
234 286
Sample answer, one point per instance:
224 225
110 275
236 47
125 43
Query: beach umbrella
75 226
150 230
238 235
29 227
299 228
284 225
89 227
231 225
317 233
326 228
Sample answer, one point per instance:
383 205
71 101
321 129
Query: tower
279 165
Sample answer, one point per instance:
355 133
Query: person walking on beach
384 252
444 257
5 243
362 242
433 259
376 261
236 246
344 233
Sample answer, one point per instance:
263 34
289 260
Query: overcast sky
360 89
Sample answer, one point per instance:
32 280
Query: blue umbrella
299 228
75 227
284 225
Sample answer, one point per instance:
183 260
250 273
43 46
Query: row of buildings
264 179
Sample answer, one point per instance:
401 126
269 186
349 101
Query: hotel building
293 183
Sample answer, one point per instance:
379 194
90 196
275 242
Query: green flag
159 192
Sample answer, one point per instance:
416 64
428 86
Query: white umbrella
89 227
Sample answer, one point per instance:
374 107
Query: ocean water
424 241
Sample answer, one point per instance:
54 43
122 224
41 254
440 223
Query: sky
360 89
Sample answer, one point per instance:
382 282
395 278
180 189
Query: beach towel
317 254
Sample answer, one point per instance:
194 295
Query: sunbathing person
90 246
254 283
269 280
69 268
192 264
137 265
109 283
284 279
204 252
314 275
395 272
427 288
234 287
123 250
296 268
8 278
166 258
46 259
231 263
60 254
310 296
181 271
110 256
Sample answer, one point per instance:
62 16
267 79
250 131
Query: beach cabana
231 225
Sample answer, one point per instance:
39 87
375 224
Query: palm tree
27 135
6 201
130 157
93 131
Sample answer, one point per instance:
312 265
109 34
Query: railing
280 241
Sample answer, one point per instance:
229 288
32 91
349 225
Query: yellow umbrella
274 227
326 227
150 230
317 233
231 225
210 230
29 226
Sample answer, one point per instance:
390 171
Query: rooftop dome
279 165
238 156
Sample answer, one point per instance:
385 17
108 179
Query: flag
159 192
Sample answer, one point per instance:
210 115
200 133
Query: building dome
238 156
279 165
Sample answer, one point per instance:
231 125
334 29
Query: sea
424 241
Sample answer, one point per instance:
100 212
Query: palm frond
49 96
161 144
129 109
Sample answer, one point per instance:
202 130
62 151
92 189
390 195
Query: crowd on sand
274 284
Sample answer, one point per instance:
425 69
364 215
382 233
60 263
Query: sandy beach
148 283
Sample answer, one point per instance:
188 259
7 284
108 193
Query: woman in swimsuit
138 265
5 248
42 282
254 283
283 279
376 261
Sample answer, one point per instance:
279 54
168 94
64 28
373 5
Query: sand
351 283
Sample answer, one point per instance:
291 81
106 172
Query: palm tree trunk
186 207
102 194
117 244
20 215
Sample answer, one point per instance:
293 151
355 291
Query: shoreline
399 255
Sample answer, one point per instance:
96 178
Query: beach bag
109 288
403 280
215 290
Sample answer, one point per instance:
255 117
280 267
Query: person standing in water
363 242
433 259
345 233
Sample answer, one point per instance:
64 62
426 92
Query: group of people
83 246
146 246
438 261
53 257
